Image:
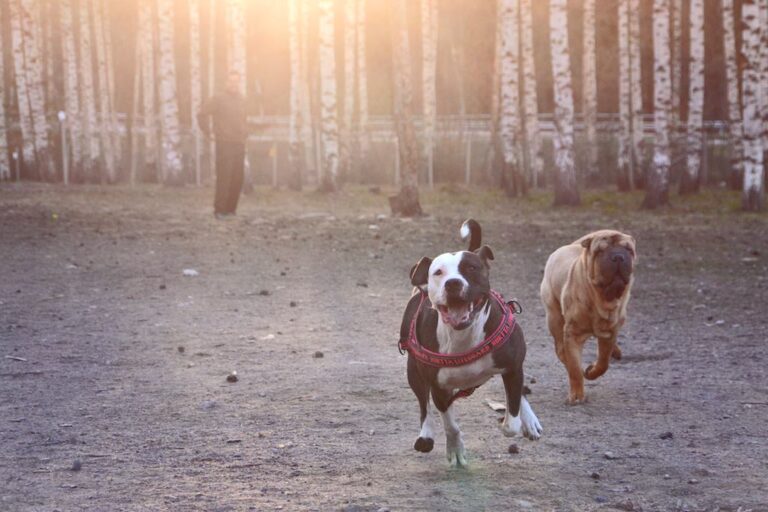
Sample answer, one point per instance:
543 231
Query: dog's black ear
485 254
420 272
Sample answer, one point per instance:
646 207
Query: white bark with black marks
148 52
509 118
71 81
5 163
690 180
589 84
348 103
566 191
295 121
429 27
170 134
732 83
361 128
635 91
754 184
328 96
530 94
105 111
657 187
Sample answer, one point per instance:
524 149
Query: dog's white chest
468 375
452 342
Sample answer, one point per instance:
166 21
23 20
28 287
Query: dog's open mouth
459 313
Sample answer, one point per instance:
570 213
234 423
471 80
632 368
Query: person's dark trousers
230 158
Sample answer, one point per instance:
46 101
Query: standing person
230 131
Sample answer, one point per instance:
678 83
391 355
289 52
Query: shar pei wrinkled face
610 258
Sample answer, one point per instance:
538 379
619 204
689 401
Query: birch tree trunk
236 36
308 122
509 121
764 74
676 62
361 129
657 186
636 93
566 191
71 82
754 184
429 29
328 98
530 94
148 43
87 95
494 156
732 83
30 88
406 203
170 136
625 177
107 41
689 182
589 84
295 127
196 80
5 164
107 151
22 91
348 106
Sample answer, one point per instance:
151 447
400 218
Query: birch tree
625 100
635 92
657 186
754 184
406 203
764 72
295 126
104 128
29 87
348 104
71 81
87 97
676 58
5 164
689 182
361 127
566 191
509 121
429 29
328 97
589 83
235 15
148 43
170 136
196 79
732 83
530 95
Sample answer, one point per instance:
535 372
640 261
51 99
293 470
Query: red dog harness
439 360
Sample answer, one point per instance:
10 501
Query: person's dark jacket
230 119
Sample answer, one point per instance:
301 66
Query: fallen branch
16 358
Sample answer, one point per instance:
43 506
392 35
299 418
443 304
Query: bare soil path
93 299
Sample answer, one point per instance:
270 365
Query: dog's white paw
456 454
512 426
531 427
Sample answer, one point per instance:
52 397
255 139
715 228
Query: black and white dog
458 314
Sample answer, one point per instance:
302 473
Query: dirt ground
125 359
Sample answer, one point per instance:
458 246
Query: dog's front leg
513 387
605 349
454 444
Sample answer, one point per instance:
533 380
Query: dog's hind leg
426 439
605 348
556 325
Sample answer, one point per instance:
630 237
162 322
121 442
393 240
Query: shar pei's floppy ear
420 272
485 254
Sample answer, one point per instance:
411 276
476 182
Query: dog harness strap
440 360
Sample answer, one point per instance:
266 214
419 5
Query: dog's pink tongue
455 317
